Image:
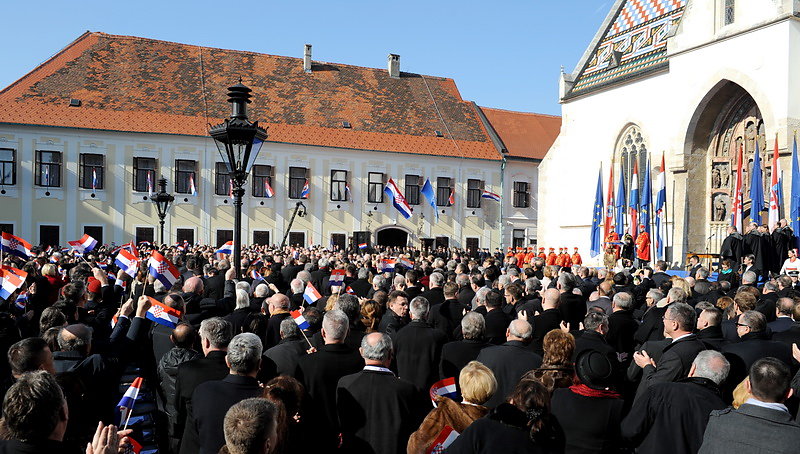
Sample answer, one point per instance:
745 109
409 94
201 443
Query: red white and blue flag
774 191
490 195
130 247
738 197
407 263
83 245
661 203
163 314
452 199
133 447
150 184
226 248
349 290
387 265
633 200
192 187
129 399
306 190
445 388
442 441
22 301
300 320
268 189
311 295
362 245
163 270
10 280
127 262
15 245
337 277
398 200
94 179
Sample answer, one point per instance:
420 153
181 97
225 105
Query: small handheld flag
22 301
226 248
163 314
337 277
256 276
83 245
444 388
15 245
349 290
300 320
442 441
311 295
10 280
129 399
387 265
127 262
163 270
134 448
362 246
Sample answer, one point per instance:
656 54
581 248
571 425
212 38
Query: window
730 10
186 235
518 238
48 169
185 174
442 241
443 190
473 244
222 179
49 235
91 175
262 176
412 189
338 241
375 189
474 190
427 244
94 231
361 237
261 237
297 239
521 194
144 174
297 179
145 234
338 185
7 228
223 236
8 166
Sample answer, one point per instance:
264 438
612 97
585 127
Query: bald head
183 336
193 285
76 337
551 297
278 301
519 330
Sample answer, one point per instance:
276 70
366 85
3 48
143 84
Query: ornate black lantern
162 200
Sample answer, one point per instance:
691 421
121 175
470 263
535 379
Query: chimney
307 59
394 65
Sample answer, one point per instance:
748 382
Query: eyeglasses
742 324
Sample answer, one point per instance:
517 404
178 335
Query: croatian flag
387 265
398 200
226 248
407 263
144 243
163 314
94 179
442 441
268 189
83 245
22 301
337 277
362 245
258 263
135 447
192 187
738 197
774 191
349 290
452 199
127 262
129 399
306 190
490 195
150 184
256 276
163 270
444 388
10 280
300 320
103 264
311 295
15 245
130 247
633 202
661 203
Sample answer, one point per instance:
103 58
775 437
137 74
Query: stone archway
392 236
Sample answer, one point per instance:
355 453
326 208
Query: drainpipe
502 199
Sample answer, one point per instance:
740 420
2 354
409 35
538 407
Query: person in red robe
551 257
530 255
560 257
612 237
520 256
567 261
643 247
576 258
542 255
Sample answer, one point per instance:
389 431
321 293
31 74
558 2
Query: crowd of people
305 349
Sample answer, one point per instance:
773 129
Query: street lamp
162 200
238 141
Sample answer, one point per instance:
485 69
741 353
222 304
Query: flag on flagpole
738 202
192 187
633 202
597 216
150 184
387 265
756 189
452 199
442 441
490 195
430 194
268 189
83 245
163 314
15 245
645 201
608 225
129 399
794 195
226 248
619 207
162 269
300 320
398 200
661 203
94 179
445 388
22 301
311 295
774 190
306 190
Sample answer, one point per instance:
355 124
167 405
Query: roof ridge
521 112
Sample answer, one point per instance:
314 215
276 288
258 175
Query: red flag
738 201
609 221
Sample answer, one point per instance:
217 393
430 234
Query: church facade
692 80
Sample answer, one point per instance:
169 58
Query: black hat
594 370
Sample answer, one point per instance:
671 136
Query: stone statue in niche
724 175
716 180
720 208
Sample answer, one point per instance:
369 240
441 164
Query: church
692 80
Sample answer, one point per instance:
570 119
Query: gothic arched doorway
392 236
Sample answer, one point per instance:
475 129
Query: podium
707 260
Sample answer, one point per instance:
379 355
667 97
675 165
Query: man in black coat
783 311
572 306
660 276
733 246
214 283
215 335
319 373
396 315
378 411
622 327
548 320
496 320
709 329
278 312
435 294
754 345
456 354
361 286
183 337
757 244
447 316
320 274
418 347
282 359
672 417
510 361
791 335
212 399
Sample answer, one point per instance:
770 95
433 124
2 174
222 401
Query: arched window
729 12
631 148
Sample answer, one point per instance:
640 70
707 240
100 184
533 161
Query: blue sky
505 54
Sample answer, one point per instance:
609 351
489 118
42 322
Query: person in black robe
782 240
755 243
733 246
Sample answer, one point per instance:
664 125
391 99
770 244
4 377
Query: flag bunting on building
397 198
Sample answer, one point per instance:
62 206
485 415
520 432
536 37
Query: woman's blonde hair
477 383
681 284
49 269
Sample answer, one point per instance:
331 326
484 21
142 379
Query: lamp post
162 200
238 140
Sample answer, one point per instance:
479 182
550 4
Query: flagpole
306 337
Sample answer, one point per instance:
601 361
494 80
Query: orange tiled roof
142 85
525 135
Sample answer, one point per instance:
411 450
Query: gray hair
363 273
217 331
243 285
755 320
701 273
297 286
480 296
335 323
623 300
323 262
348 304
532 284
521 329
380 351
503 280
399 281
594 320
242 299
771 286
712 365
304 276
462 279
261 290
473 325
436 279
159 287
749 277
677 295
566 282
379 282
419 307
684 314
656 294
289 328
513 272
81 340
244 353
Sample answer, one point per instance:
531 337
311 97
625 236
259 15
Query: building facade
694 81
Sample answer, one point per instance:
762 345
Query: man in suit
709 330
510 361
762 423
671 417
413 287
496 320
396 315
214 284
282 359
791 335
572 306
694 265
456 354
212 399
748 265
418 347
215 335
680 320
377 411
278 312
320 372
622 326
447 316
783 313
435 294
755 344
548 320
361 286
660 276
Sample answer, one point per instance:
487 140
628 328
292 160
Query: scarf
584 390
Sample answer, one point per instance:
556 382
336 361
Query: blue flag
756 189
619 221
644 203
597 216
794 212
430 194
